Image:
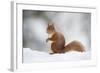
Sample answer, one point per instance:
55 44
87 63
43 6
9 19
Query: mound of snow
30 56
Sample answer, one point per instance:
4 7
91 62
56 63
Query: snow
31 56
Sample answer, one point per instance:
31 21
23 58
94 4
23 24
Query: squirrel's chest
50 36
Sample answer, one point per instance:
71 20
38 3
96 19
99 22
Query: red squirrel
58 42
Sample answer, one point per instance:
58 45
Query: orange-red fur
58 42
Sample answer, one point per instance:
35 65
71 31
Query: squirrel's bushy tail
74 46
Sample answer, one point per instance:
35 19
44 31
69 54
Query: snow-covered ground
31 56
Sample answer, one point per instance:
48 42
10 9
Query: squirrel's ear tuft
48 23
52 24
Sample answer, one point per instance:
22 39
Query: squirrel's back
58 42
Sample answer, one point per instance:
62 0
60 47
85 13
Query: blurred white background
5 36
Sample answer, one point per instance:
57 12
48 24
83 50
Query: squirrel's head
50 28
